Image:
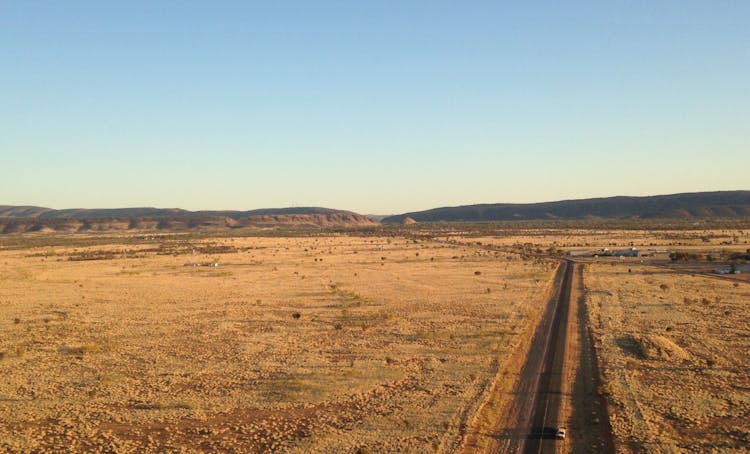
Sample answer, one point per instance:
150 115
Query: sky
371 106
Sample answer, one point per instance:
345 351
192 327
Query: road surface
556 384
545 401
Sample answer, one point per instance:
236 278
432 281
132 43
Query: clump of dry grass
81 350
19 352
160 405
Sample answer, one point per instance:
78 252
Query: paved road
531 418
537 376
547 398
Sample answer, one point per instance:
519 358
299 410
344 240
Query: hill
720 204
99 213
20 219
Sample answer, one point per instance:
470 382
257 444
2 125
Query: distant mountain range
20 219
721 204
699 205
86 213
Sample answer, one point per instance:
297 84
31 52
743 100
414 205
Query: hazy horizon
369 107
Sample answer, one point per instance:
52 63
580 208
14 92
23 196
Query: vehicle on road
560 435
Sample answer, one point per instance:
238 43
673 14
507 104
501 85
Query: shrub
683 256
80 351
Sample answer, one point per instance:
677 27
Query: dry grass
348 343
293 344
675 350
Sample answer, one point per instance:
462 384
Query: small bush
82 350
683 256
296 315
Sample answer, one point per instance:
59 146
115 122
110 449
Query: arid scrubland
309 344
602 238
674 351
354 343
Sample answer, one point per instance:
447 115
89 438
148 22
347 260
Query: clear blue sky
372 106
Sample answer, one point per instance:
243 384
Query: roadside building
630 252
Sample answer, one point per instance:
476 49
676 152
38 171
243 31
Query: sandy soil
346 344
674 350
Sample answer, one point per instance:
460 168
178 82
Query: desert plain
393 340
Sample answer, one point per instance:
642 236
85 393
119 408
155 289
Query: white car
560 435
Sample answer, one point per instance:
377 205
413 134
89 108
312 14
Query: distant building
741 268
630 252
604 252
